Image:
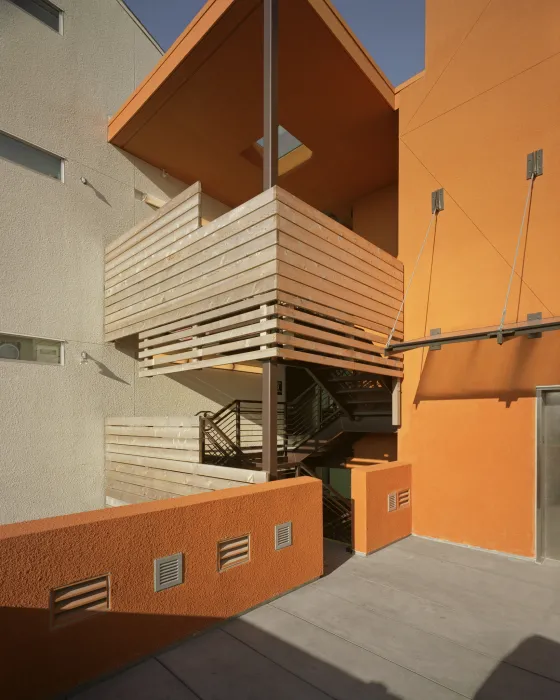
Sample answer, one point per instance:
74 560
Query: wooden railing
273 278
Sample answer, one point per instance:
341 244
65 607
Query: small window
291 152
29 156
45 11
25 349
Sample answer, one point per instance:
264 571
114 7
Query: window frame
60 12
62 344
61 159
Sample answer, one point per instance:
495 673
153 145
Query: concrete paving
420 620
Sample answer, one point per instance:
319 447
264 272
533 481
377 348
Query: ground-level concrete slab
420 620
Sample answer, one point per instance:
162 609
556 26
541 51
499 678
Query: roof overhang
201 108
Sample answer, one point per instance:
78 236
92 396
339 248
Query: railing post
238 424
269 419
201 440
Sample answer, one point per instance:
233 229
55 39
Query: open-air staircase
315 430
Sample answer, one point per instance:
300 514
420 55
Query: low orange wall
374 526
38 661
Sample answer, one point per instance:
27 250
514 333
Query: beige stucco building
58 91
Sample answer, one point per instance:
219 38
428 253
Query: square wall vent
283 535
392 501
233 552
168 572
77 601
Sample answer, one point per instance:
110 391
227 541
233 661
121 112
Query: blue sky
391 30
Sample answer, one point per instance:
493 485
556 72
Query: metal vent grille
404 498
168 572
392 501
77 601
233 552
283 535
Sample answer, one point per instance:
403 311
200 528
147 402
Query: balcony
273 278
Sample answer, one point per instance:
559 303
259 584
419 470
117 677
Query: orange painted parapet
382 502
47 649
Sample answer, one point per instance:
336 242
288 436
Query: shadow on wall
486 370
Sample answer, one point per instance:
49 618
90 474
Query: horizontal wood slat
151 458
271 278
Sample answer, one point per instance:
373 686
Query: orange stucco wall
488 97
37 662
376 218
373 525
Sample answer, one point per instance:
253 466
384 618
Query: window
286 142
31 157
26 349
44 11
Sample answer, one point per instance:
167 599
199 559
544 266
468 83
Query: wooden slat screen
271 278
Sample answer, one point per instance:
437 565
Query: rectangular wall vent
78 601
392 501
233 552
168 572
404 498
283 535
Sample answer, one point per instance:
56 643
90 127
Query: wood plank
179 455
170 443
156 490
235 321
347 344
293 298
206 252
215 362
268 339
160 432
372 319
213 338
390 274
203 269
125 238
127 498
207 482
198 241
249 476
348 353
322 322
307 357
191 214
328 223
154 247
335 259
239 219
154 421
261 278
315 275
215 313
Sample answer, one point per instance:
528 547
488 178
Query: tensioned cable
519 237
411 278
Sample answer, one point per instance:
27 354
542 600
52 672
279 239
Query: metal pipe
270 141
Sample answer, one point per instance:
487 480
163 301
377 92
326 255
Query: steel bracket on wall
437 201
534 317
435 332
535 164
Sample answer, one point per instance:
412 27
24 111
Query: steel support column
270 155
269 418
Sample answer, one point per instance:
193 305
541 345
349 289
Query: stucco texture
468 421
58 93
38 661
373 525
